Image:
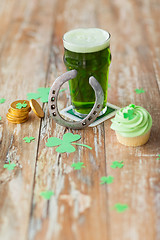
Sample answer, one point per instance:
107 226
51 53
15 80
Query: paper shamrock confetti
139 91
117 164
83 145
129 114
10 166
21 105
47 194
28 139
42 93
158 157
2 100
120 207
78 165
65 144
108 179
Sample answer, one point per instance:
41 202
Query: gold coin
9 116
36 108
14 105
17 121
17 114
19 111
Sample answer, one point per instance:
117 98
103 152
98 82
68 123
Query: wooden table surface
31 56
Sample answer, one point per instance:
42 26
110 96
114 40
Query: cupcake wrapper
133 141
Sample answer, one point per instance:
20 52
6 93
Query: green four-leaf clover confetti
21 105
120 207
117 164
47 194
28 139
108 179
78 165
158 157
10 166
65 143
2 100
139 91
129 114
0 118
42 93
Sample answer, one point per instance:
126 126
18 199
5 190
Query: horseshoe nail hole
54 114
52 106
94 112
84 123
52 99
98 106
53 91
90 118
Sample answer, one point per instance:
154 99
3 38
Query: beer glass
88 51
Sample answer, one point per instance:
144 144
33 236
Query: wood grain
137 183
24 63
31 56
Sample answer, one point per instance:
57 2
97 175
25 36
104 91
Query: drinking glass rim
104 44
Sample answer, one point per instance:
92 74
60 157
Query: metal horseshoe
53 96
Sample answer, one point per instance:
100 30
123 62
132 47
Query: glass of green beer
88 51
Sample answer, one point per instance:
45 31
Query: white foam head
86 40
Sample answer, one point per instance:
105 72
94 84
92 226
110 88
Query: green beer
87 51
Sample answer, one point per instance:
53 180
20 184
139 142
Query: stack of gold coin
19 111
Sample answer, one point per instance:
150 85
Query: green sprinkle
132 105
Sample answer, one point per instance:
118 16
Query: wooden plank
7 10
78 209
62 206
79 202
137 184
24 64
81 208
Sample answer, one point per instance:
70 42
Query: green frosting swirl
139 124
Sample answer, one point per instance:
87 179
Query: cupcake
132 125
